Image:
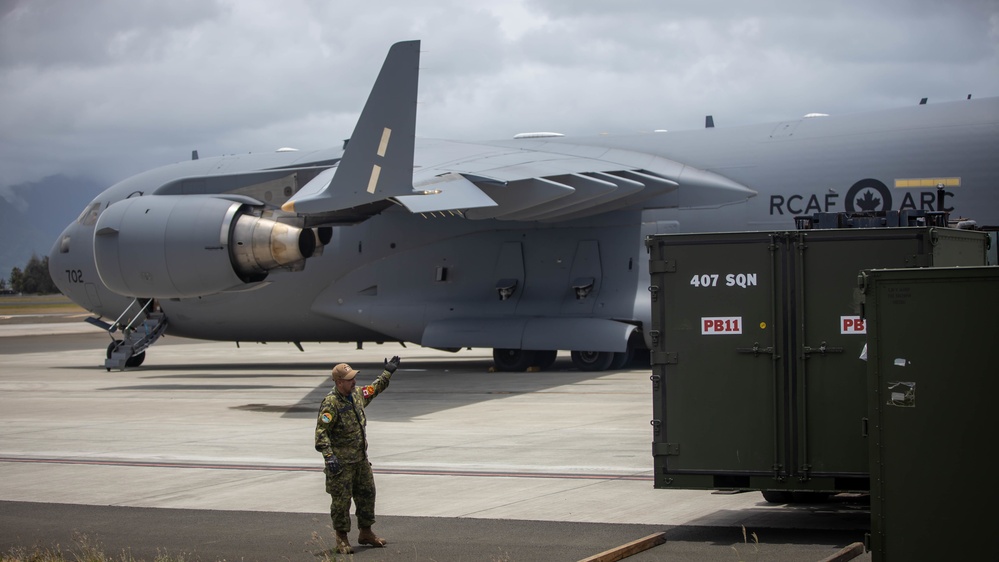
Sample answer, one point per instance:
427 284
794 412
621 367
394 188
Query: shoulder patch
326 417
368 391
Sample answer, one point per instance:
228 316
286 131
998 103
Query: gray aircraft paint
545 214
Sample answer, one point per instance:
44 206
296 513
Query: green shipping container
932 382
757 378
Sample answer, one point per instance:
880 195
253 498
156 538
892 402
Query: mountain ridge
34 214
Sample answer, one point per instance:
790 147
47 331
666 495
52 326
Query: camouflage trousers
355 481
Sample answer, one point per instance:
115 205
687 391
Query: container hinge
654 291
778 472
664 358
822 349
665 449
656 379
662 266
654 336
756 350
803 476
656 426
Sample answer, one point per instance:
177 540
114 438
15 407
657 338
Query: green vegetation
34 279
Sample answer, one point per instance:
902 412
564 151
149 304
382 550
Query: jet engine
176 246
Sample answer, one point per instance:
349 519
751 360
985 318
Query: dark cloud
108 88
60 33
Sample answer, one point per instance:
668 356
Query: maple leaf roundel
868 195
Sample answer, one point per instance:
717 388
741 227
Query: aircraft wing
531 179
549 180
527 179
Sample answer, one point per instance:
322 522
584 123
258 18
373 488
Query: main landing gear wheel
592 360
544 360
513 359
621 360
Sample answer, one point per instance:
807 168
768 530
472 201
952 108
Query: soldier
341 439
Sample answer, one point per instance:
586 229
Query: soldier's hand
392 364
333 465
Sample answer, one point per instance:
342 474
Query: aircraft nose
71 266
59 257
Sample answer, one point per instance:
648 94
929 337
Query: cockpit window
90 214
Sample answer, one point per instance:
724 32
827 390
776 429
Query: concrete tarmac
207 450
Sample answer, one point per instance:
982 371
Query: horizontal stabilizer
378 161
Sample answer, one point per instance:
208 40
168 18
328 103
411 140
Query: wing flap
585 190
447 192
519 195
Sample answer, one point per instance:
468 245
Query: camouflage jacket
340 427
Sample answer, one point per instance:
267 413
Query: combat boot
367 536
343 543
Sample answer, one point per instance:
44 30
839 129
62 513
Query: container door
828 339
932 390
716 309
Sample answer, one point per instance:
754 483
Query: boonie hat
343 372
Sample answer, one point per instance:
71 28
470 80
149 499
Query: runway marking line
290 468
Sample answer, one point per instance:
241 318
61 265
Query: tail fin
378 161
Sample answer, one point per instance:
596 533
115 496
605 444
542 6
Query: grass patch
38 304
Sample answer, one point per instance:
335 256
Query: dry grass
83 550
745 541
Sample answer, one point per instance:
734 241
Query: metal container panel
827 334
757 336
716 398
932 387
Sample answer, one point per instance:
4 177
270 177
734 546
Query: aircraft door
93 296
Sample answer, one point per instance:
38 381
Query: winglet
378 162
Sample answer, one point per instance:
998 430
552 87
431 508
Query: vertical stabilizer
378 162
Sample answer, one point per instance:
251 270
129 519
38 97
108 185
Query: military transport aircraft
528 245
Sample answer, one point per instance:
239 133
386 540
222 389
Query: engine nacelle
174 246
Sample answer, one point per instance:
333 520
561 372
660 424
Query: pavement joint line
294 468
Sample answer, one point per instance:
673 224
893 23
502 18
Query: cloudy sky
107 88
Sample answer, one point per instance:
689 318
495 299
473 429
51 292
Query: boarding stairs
139 333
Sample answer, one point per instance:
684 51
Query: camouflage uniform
340 433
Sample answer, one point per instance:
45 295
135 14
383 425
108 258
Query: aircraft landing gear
515 360
544 360
133 361
519 360
593 360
